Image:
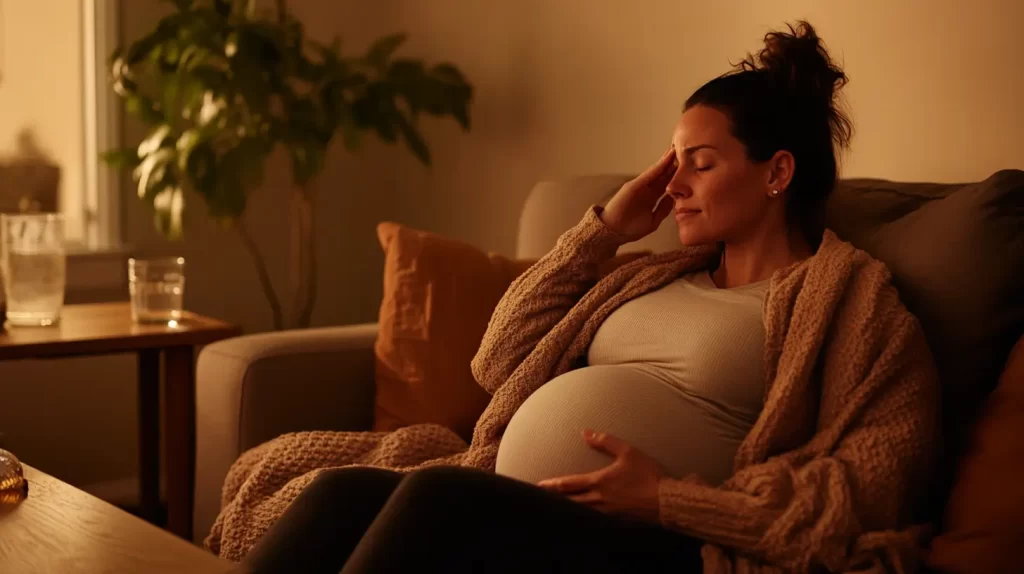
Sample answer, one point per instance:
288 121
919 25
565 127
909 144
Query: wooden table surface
59 528
107 328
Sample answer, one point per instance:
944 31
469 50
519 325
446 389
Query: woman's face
718 193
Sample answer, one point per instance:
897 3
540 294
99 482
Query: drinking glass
33 266
157 287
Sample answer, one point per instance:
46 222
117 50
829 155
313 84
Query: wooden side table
59 528
107 328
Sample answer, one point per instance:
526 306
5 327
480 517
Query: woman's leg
450 519
324 523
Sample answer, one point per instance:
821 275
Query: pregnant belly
544 438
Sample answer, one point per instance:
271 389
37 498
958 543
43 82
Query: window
58 114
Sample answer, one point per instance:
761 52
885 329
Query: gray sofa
253 388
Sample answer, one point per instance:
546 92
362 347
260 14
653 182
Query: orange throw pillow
439 295
984 530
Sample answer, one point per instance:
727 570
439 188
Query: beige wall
563 87
42 105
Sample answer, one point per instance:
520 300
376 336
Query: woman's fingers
661 181
573 483
590 497
657 168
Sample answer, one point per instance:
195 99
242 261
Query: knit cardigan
826 479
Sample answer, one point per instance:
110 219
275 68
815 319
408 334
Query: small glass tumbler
33 265
157 287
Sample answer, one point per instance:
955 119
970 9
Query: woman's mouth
685 213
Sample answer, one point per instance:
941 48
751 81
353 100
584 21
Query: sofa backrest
554 206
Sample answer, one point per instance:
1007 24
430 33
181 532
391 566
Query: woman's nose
677 186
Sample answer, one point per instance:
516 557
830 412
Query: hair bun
798 64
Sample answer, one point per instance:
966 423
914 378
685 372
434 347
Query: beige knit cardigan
825 479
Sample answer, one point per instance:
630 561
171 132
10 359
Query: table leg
180 417
149 434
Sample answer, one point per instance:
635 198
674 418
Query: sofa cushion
439 295
985 514
956 253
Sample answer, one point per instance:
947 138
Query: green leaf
449 74
152 172
408 78
208 76
121 158
406 71
171 53
194 56
258 45
142 48
120 76
245 8
143 108
355 80
160 137
412 138
190 96
350 134
199 169
252 85
182 5
381 50
185 144
168 206
171 89
330 54
460 111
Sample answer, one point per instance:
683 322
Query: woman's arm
541 297
856 475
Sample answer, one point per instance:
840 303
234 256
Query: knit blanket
826 479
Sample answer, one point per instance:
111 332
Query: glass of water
33 266
157 287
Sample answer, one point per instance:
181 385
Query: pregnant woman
759 401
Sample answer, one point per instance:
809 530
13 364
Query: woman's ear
780 173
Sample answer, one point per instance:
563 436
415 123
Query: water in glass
157 287
33 267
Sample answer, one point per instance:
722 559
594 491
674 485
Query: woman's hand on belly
627 487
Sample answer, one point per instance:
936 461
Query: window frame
102 129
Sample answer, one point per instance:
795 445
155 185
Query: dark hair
785 97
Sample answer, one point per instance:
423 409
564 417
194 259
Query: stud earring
775 192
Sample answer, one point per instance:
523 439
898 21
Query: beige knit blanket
825 479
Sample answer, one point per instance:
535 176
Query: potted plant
221 85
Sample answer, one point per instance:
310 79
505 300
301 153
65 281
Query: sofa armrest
253 388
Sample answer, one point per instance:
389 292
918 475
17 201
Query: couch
253 388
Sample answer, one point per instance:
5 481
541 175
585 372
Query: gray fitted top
677 373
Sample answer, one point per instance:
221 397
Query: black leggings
453 519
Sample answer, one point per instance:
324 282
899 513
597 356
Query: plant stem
261 271
297 251
305 316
